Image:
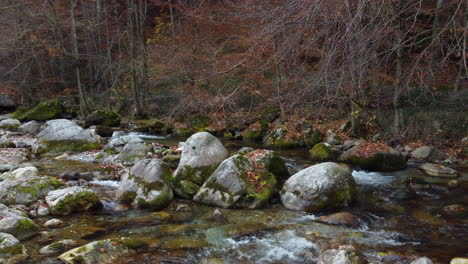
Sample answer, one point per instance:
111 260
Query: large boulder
72 199
104 118
7 103
116 144
17 223
374 157
10 124
147 185
437 170
132 151
52 109
242 181
63 135
201 155
11 249
324 152
26 190
13 156
98 252
30 128
320 187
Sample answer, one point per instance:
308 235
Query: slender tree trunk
433 50
81 93
462 64
398 111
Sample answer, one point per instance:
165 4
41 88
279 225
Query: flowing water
396 220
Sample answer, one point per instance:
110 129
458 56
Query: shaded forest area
394 67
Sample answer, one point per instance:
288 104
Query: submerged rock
201 155
320 187
98 252
17 223
343 218
243 181
72 199
147 185
62 135
374 157
11 249
437 170
344 255
58 247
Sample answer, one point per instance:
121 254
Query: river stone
459 261
374 157
104 118
98 252
320 187
13 156
7 103
72 199
25 172
17 223
58 247
456 210
288 135
241 181
117 144
427 154
54 223
11 249
147 185
423 260
201 155
104 131
324 152
344 255
342 218
132 151
10 124
61 135
26 190
48 110
437 170
30 128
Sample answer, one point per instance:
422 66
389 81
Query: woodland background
398 67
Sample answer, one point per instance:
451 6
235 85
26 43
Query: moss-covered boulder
26 190
58 247
104 118
242 181
11 250
72 199
292 135
16 223
63 135
147 185
323 152
374 157
256 131
98 252
201 155
320 187
10 124
152 126
48 110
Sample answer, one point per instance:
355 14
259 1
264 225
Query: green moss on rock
104 118
52 109
57 146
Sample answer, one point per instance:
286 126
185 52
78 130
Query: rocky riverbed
69 195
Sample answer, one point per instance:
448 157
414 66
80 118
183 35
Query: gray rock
16 223
13 156
344 255
437 170
54 223
98 252
374 157
351 143
320 187
427 154
72 199
64 130
11 250
133 151
201 154
241 181
423 260
147 185
7 103
118 143
26 190
459 261
10 124
333 139
25 172
58 247
30 128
